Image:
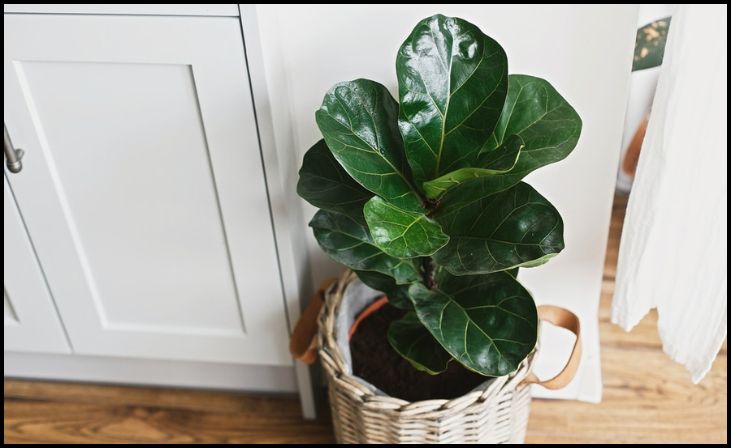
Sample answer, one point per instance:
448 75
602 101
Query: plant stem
432 207
428 272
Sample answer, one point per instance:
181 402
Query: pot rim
377 304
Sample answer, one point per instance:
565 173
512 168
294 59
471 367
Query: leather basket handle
303 342
563 318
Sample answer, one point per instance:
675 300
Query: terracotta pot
370 309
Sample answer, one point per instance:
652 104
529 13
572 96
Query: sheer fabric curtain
673 249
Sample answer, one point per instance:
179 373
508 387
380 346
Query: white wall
584 51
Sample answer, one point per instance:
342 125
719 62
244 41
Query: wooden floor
647 398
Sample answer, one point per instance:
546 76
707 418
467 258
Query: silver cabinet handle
12 155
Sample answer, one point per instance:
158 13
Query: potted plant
423 200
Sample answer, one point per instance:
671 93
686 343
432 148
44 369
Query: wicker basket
496 412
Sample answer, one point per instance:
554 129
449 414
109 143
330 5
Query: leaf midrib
472 322
349 127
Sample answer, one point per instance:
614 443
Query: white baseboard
150 372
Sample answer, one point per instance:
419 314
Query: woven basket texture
496 413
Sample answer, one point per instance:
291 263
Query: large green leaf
398 295
400 233
486 322
492 232
412 340
452 85
325 184
346 240
546 122
498 161
359 120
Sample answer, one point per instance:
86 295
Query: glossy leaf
346 240
398 295
546 122
359 120
414 342
498 161
452 86
400 233
486 322
326 185
499 231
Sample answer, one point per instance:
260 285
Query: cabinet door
143 188
31 322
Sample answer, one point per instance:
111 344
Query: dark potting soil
376 362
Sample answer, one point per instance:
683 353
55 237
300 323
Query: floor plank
647 398
46 412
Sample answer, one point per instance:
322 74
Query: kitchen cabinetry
144 195
31 322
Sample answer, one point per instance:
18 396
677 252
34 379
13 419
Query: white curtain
673 248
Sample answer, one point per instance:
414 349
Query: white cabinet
31 322
174 9
143 189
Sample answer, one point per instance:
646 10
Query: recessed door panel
144 185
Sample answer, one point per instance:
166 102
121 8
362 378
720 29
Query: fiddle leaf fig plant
423 198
